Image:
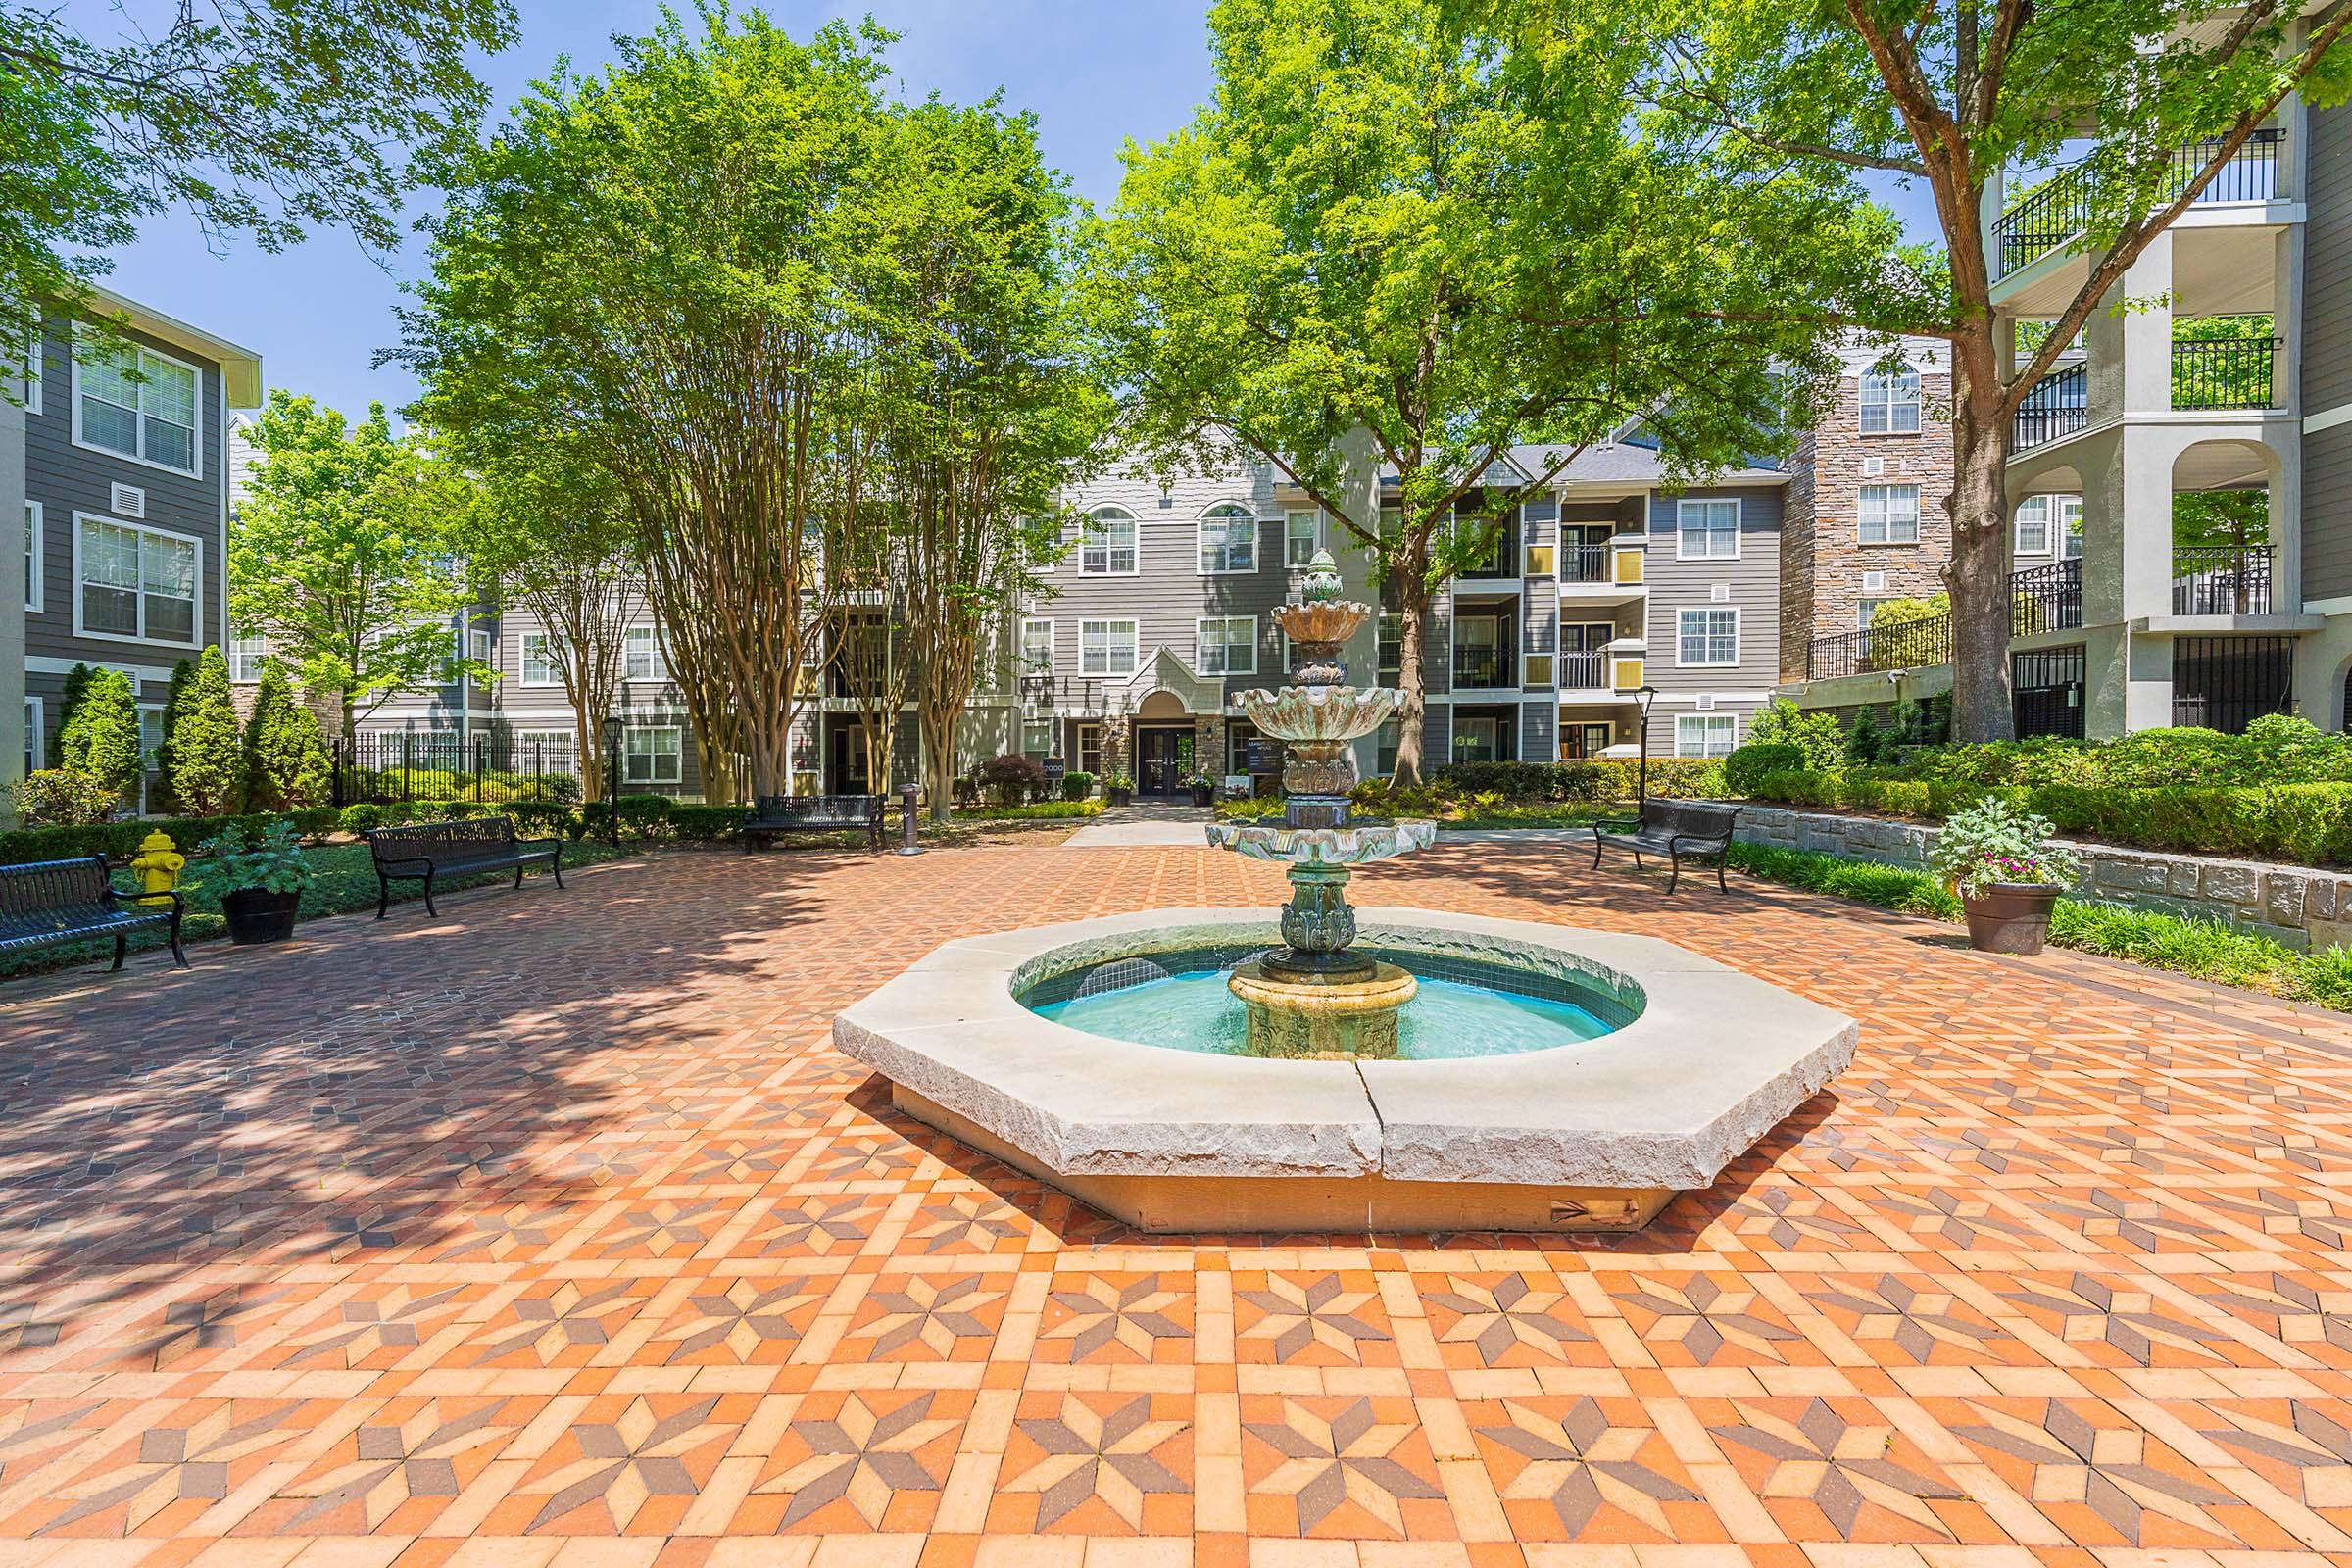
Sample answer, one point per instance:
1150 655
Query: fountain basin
1596 1135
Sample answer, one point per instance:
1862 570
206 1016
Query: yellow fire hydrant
158 865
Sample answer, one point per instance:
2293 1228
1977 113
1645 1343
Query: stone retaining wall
2300 906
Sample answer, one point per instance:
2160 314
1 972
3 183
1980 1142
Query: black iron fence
443 765
2057 406
1584 563
2046 598
2225 372
2222 581
2046 691
1906 645
1477 668
2060 206
2226 683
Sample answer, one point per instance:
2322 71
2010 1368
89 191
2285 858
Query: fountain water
1314 997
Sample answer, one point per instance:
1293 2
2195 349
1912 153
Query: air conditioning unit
1721 593
128 501
1874 582
1872 468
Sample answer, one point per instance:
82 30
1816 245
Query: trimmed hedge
1037 812
119 841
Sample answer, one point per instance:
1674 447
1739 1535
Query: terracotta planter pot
256 915
2009 916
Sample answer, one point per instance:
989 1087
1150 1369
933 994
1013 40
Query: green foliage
69 704
1521 781
1864 743
208 756
165 795
65 797
271 860
1895 613
1035 810
1013 777
119 840
286 764
704 825
347 555
1077 786
1747 768
100 740
1817 735
362 817
1994 842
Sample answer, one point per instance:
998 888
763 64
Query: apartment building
118 459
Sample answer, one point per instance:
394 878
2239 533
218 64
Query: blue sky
1095 73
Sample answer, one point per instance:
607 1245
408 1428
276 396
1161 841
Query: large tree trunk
938 730
1978 575
586 726
1413 600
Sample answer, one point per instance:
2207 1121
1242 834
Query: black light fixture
613 732
1648 695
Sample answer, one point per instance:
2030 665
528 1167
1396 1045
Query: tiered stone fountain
1314 997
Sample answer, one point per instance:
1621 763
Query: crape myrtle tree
2150 98
347 554
1439 227
263 118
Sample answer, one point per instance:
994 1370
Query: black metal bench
64 900
772 815
1697 830
428 850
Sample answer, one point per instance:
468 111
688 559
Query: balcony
1483 670
2057 407
2053 212
2222 581
2225 372
2046 598
2041 599
1584 672
1604 573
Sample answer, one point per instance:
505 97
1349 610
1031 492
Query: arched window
1106 543
1228 540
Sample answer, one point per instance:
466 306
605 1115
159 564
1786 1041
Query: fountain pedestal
1340 1016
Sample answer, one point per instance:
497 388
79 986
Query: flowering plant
1994 842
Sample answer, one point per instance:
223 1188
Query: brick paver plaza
554 1231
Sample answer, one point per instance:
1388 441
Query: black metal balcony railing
1481 669
2222 581
2057 406
1584 563
2046 598
2225 372
1584 672
2060 206
2041 599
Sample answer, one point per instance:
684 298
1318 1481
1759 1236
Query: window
641 655
545 751
32 555
33 373
650 756
479 646
538 661
137 584
150 736
1707 531
1474 739
1384 752
1302 537
1391 644
2070 524
36 756
1888 513
247 653
1541 560
1106 544
1227 645
1228 541
1890 403
1037 648
1705 734
1037 737
1866 610
2033 526
136 403
1106 648
1090 749
1707 637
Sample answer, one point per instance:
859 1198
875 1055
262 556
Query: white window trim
1704 721
1201 644
1738 523
197 624
1118 515
2050 526
38 560
1201 543
1916 403
661 658
33 371
522 661
1889 542
196 438
1135 652
36 742
677 757
1320 543
1733 611
1052 648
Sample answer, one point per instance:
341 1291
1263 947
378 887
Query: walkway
1146 824
553 1233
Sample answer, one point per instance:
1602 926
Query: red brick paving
554 1232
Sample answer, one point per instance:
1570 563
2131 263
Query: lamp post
612 729
1648 695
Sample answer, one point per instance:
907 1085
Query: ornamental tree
348 554
1439 227
2151 99
208 762
100 738
175 697
285 759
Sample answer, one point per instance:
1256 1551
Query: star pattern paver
1704 1319
1298 1316
563 1326
2081 1467
1580 1463
399 1457
627 1462
196 1458
1348 1457
1099 1314
1089 1453
742 1323
861 1456
930 1314
1508 1314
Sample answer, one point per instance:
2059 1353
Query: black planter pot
2009 916
1121 796
256 915
1204 794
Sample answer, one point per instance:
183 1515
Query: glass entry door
1165 761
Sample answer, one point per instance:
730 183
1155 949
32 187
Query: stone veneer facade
2300 906
1822 557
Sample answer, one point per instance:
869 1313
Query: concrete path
1126 827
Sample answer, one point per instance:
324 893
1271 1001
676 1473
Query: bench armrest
1676 841
555 842
1601 823
383 861
114 895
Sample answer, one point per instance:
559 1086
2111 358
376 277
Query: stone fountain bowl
1358 844
1321 621
1308 714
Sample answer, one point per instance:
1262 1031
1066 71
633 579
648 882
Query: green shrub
1748 766
1992 842
1036 810
1012 778
120 840
1077 786
101 738
1685 778
165 796
286 764
208 759
64 797
1817 735
363 817
68 708
704 825
1521 781
1252 809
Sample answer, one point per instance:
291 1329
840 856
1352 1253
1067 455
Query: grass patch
2204 949
345 881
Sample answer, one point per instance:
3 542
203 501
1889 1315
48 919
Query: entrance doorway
846 771
1163 760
